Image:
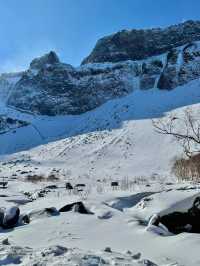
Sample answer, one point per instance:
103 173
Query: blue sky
29 28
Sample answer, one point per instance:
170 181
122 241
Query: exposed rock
11 217
50 87
25 219
51 187
44 61
137 256
147 263
2 210
42 213
140 44
60 89
54 251
5 242
182 66
77 207
8 124
108 249
178 222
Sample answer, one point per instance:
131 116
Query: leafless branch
189 134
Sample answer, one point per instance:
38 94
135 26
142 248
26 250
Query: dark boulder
77 207
2 211
178 222
68 186
11 217
51 187
43 213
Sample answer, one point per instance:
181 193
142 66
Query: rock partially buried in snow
55 251
177 222
11 217
137 256
42 213
92 260
108 249
105 215
76 207
5 241
146 263
60 255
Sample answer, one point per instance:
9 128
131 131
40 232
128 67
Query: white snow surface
115 142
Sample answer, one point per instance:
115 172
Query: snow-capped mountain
55 100
90 126
50 87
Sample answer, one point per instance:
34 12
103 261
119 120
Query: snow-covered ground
115 142
119 222
117 139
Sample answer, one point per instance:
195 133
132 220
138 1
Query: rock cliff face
141 44
50 87
7 82
7 124
55 88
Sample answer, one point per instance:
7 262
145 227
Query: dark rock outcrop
140 44
182 66
59 88
50 87
11 217
179 222
7 124
77 207
42 213
48 59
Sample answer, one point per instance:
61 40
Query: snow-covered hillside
115 140
88 184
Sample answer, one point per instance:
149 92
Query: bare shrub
187 169
99 188
126 184
35 178
52 177
186 130
41 178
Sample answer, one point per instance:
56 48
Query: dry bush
52 177
187 169
41 178
35 178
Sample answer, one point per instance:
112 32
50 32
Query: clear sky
29 28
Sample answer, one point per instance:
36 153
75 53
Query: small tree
186 130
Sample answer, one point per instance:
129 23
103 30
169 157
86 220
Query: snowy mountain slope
108 138
115 140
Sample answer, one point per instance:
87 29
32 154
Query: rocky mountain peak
140 44
50 58
170 58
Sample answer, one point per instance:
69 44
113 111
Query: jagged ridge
140 44
50 87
